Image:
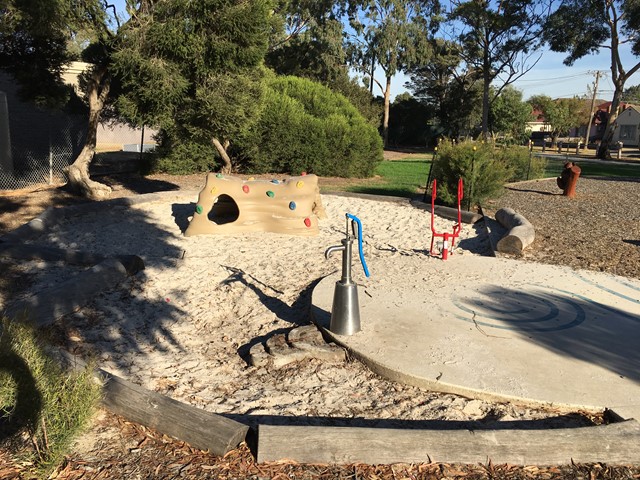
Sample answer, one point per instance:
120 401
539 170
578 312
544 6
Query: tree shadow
297 314
137 183
491 421
527 190
131 322
27 404
181 213
564 322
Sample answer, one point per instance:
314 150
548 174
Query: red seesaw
446 237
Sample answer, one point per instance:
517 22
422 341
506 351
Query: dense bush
304 126
523 164
181 155
484 169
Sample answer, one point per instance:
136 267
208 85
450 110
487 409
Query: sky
549 77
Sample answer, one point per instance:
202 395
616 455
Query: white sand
180 326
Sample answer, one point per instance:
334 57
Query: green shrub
483 173
524 165
304 126
36 396
484 169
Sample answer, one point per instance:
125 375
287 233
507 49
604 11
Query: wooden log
613 444
200 429
521 233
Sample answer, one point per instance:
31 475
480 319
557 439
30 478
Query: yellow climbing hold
214 190
300 184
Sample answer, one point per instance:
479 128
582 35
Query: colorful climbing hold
219 175
275 181
214 190
199 209
299 184
292 205
270 194
302 174
307 222
245 188
251 179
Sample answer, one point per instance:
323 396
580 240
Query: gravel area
598 230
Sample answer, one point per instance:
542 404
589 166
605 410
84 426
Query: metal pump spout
345 248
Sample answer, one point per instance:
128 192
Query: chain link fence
36 144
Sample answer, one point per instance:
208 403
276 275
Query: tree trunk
222 151
77 173
603 150
385 122
486 84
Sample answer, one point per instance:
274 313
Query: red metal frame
446 236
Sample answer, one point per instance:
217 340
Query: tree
584 27
632 95
498 42
195 69
509 114
38 41
310 45
561 114
451 94
33 49
391 34
412 119
306 40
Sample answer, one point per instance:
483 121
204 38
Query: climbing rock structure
229 205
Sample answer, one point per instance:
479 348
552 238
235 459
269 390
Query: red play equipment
446 237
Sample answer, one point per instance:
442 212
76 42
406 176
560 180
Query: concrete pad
499 329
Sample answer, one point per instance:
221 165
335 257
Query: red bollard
568 179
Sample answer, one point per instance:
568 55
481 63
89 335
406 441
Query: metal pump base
345 312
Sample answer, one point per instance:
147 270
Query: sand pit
184 326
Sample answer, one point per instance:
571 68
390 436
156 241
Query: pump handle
360 251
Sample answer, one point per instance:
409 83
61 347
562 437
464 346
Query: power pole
593 106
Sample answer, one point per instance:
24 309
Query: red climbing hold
245 188
307 222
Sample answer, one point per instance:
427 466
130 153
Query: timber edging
618 443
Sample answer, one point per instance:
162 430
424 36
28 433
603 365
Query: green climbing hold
218 175
198 209
270 194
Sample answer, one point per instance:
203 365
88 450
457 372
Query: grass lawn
599 169
408 177
401 178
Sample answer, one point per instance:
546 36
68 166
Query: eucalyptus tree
584 27
498 42
392 35
195 69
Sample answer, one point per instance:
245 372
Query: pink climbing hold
303 174
245 188
307 222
